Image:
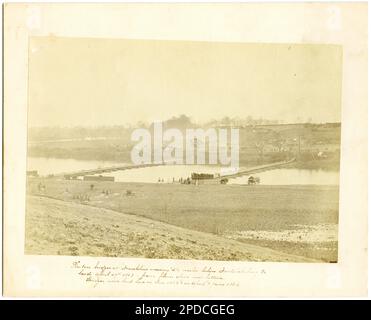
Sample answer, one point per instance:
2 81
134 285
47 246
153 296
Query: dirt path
65 228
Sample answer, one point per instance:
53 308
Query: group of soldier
180 180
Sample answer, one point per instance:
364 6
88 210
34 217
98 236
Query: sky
102 82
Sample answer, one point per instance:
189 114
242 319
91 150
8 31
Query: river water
170 173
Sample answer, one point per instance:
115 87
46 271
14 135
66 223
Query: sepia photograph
183 150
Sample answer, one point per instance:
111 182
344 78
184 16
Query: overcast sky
88 82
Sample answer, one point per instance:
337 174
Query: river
168 173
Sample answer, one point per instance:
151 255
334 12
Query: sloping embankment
64 228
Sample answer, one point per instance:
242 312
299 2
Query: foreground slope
66 228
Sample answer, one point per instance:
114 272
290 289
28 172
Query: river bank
221 210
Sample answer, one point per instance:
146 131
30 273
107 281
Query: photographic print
183 150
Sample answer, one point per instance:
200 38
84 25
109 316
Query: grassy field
225 211
57 227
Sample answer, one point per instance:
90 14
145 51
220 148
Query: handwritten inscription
98 273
